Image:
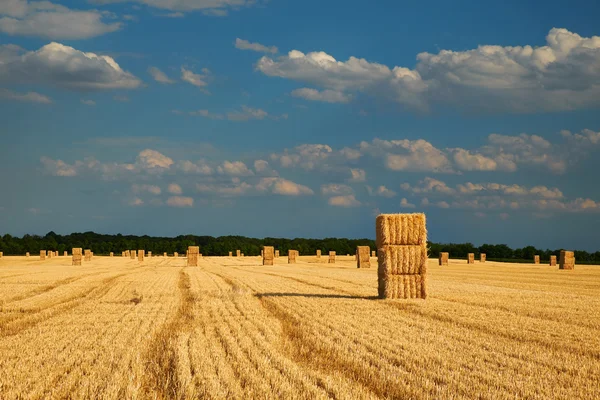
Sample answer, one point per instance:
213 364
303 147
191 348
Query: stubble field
116 328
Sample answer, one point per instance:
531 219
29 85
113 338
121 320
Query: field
116 328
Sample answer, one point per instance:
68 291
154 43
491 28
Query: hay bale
331 257
149 254
471 258
176 254
42 255
553 261
276 253
133 254
567 260
111 254
242 255
1 254
443 258
536 259
318 253
373 253
238 253
87 255
482 257
292 256
403 287
76 259
400 229
65 254
141 254
231 254
403 260
49 254
363 259
268 254
192 256
27 255
165 255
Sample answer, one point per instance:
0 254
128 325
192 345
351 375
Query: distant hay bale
49 255
373 253
318 253
262 253
482 257
443 258
536 259
276 253
141 254
471 258
331 257
553 261
242 255
231 254
292 256
238 253
176 254
363 259
111 254
87 255
149 254
27 255
65 254
76 259
567 260
1 254
42 255
192 256
400 229
402 256
133 254
268 254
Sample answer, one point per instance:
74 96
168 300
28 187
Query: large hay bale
192 256
363 259
536 259
268 254
231 254
292 256
42 255
176 254
401 256
331 257
141 254
1 254
443 258
238 253
76 260
567 260
318 253
553 261
49 255
276 253
482 257
87 255
400 229
133 254
65 254
471 258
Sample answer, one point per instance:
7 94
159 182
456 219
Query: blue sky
281 118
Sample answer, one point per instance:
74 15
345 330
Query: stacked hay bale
553 261
176 254
65 254
402 255
242 255
49 254
443 258
482 257
1 254
268 254
262 253
192 256
76 260
471 258
111 254
230 254
536 259
292 256
276 253
42 255
238 253
318 254
373 253
363 260
331 257
133 254
87 255
567 260
141 254
27 254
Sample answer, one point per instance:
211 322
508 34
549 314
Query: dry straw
276 253
443 258
373 253
553 261
567 260
230 254
536 259
482 257
27 254
141 254
268 254
49 254
192 256
65 254
87 255
292 256
112 254
133 254
42 255
176 254
400 229
331 257
363 260
318 253
165 255
471 258
238 253
76 260
149 254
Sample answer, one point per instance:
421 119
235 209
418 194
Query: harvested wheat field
115 328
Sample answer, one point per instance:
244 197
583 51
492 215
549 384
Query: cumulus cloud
174 189
53 21
344 201
64 67
357 175
144 188
214 8
327 96
29 97
236 168
306 156
153 161
282 187
198 80
58 167
200 167
408 155
159 76
136 201
180 201
336 189
381 191
246 45
405 204
562 75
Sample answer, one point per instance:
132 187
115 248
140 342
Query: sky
301 119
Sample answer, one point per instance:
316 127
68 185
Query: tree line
221 246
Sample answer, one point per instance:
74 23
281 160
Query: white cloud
141 188
236 168
52 21
405 204
263 168
88 102
327 96
29 97
306 156
200 167
216 8
197 80
180 201
562 75
384 192
159 76
246 45
344 201
408 155
336 189
473 162
357 175
205 114
230 190
175 189
153 161
283 187
246 114
429 185
58 167
64 67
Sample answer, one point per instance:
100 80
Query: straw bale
133 254
363 260
403 287
396 260
567 260
49 254
42 254
27 254
292 256
141 254
231 254
193 253
242 255
331 257
373 253
276 253
536 259
176 254
87 255
318 253
65 254
268 254
471 258
238 253
76 260
400 229
482 257
149 254
112 254
1 254
443 258
553 261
